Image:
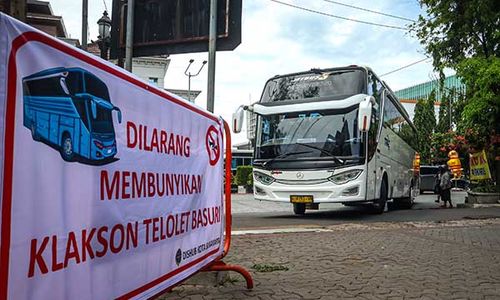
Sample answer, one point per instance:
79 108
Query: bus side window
375 87
45 87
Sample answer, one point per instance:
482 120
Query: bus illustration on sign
70 110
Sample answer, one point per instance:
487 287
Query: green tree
459 100
425 122
451 30
444 122
465 35
482 109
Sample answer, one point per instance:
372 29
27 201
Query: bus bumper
103 153
326 192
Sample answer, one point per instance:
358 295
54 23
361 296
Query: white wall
151 67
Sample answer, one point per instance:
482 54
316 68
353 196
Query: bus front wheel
67 152
379 205
299 208
34 135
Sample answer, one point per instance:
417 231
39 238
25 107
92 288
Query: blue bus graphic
70 110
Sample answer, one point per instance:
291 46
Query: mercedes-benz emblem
300 175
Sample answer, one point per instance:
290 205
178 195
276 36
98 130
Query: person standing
445 185
437 183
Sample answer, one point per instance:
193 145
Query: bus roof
54 71
316 70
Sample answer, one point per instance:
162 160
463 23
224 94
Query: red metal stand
222 266
218 264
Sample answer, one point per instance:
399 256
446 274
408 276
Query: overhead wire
105 6
338 17
404 67
369 10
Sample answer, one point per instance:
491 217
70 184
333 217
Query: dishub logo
178 257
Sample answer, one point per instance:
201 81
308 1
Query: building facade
410 95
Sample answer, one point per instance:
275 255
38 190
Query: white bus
335 135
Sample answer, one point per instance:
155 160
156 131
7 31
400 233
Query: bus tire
34 135
407 202
299 209
378 206
67 152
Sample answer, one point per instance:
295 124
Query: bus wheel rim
67 147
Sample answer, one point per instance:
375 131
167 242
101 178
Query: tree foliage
443 143
425 122
452 30
465 35
444 123
242 173
481 112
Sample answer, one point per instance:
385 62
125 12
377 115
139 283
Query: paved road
347 253
245 203
251 214
423 260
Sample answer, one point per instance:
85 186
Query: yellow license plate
301 199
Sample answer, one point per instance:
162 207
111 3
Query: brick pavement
459 260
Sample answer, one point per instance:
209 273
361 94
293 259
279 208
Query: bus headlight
263 178
98 144
345 177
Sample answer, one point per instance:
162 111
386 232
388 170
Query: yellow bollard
454 164
416 164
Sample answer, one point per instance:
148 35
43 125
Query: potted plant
250 183
484 192
242 173
234 186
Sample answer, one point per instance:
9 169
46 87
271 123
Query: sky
278 39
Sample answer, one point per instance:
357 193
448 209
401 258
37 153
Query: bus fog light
263 178
345 177
259 191
351 191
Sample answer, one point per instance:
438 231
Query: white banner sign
111 188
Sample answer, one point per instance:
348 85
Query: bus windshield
96 87
327 134
103 123
315 84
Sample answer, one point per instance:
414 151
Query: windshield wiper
335 158
283 155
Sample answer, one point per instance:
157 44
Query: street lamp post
189 75
104 38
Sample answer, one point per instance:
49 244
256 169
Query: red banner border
18 42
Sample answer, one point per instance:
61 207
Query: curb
476 205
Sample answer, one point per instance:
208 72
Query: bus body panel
391 156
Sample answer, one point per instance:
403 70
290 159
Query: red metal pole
229 217
218 264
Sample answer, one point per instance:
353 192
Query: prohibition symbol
212 144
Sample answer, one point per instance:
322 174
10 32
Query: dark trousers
446 195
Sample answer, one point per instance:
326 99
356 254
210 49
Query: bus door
386 147
82 140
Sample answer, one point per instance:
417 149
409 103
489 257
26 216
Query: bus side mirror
93 107
238 116
119 113
62 82
365 114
